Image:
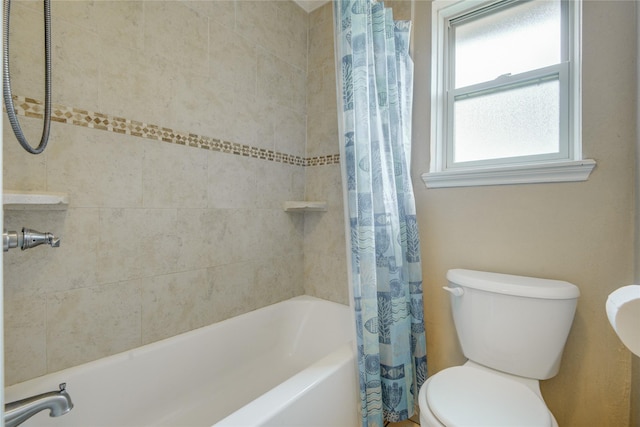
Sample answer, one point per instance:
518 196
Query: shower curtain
375 77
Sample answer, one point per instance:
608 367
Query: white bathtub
289 364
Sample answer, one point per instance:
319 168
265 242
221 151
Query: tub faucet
58 403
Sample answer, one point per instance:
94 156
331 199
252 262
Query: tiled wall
160 237
325 259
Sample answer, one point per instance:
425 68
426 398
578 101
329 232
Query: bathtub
288 364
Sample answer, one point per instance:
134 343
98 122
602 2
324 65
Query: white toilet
513 330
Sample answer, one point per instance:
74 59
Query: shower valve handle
33 238
28 239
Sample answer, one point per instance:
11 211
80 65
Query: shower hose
6 80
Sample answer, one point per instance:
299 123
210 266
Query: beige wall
579 232
159 237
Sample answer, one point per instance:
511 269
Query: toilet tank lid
513 285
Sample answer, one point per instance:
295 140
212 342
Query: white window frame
566 166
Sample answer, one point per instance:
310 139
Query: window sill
568 171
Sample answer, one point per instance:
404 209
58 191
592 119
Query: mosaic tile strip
30 107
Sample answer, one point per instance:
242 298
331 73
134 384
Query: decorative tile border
30 107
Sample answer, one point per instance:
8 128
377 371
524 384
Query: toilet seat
467 396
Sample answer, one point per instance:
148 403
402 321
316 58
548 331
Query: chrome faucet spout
57 402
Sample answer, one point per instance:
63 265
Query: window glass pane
519 122
514 39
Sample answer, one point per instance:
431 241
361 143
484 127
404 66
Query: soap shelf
303 206
34 200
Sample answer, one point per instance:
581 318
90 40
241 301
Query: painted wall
579 232
179 130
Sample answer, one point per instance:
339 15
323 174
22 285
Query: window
506 93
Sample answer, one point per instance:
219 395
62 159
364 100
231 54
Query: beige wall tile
322 133
244 111
25 340
325 269
322 17
258 22
209 113
245 286
291 132
135 243
26 59
89 323
120 23
293 29
113 162
175 303
196 231
173 176
315 91
279 278
232 59
325 265
187 46
327 278
278 183
219 12
280 82
21 170
321 44
234 287
137 86
232 181
75 63
322 118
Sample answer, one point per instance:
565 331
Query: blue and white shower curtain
375 76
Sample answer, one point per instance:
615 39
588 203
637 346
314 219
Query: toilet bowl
472 395
513 330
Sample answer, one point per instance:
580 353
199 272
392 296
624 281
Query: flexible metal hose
6 80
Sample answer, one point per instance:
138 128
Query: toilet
513 330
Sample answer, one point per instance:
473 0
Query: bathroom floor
411 422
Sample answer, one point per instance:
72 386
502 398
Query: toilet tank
513 324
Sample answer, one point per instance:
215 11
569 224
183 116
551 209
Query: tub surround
178 133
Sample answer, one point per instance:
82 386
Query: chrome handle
28 239
454 291
33 238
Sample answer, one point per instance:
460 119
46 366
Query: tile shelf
34 200
304 206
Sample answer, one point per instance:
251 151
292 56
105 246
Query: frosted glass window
519 122
506 99
518 37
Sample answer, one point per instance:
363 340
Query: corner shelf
34 200
303 206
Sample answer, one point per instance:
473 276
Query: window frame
568 165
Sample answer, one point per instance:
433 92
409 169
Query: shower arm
6 80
